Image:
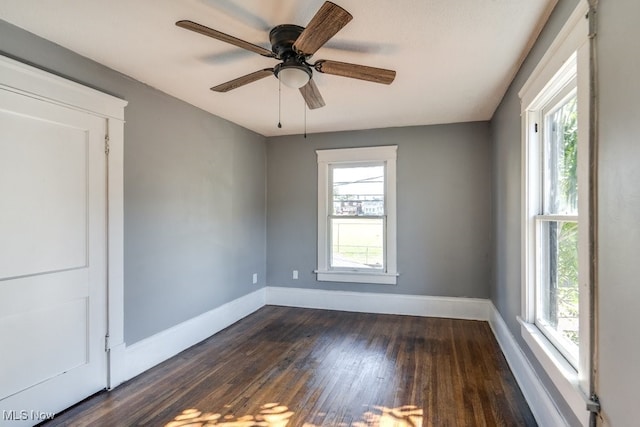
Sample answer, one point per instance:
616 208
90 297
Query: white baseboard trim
413 305
540 402
151 351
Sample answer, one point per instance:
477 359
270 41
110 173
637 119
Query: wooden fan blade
327 21
312 96
241 81
355 71
193 26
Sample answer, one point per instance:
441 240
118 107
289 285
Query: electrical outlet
295 274
255 278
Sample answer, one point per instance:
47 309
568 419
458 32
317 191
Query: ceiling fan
294 45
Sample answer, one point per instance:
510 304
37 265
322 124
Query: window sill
561 373
356 277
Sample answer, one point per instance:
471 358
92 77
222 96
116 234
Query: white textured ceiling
454 58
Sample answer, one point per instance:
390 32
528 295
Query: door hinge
593 404
106 145
107 343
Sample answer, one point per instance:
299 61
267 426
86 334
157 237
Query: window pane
358 190
357 243
561 159
557 308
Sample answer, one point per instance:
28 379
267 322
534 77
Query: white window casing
384 155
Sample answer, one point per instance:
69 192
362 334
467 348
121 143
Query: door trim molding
40 84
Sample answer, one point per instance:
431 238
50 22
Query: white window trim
387 154
569 50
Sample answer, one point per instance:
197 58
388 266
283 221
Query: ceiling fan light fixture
293 76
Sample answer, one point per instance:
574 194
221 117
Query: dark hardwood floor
301 367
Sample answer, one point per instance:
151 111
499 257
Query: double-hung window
356 215
556 207
557 222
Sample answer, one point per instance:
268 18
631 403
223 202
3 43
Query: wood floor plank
301 367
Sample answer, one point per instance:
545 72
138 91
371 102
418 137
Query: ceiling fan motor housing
282 39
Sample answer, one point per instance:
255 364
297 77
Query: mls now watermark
27 415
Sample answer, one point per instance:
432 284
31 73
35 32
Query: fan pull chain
279 102
304 105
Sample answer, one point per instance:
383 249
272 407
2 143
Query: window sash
330 234
330 217
569 351
565 94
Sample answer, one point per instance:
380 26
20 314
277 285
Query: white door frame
35 83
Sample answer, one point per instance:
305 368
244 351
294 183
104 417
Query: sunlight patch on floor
404 416
270 415
277 415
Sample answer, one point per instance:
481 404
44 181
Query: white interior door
52 257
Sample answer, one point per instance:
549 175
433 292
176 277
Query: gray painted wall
444 208
619 210
507 216
195 202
